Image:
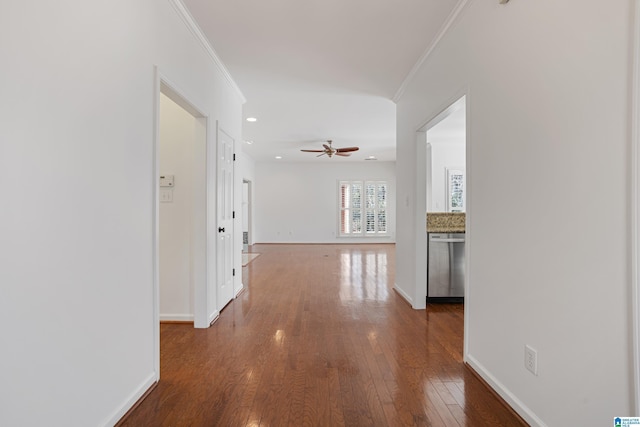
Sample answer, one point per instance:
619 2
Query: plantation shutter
345 208
363 208
382 207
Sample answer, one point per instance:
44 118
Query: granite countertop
445 222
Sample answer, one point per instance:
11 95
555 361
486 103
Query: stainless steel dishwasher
446 267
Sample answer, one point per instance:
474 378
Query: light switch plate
166 195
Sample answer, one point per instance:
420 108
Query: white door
225 219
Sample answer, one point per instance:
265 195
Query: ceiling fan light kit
331 151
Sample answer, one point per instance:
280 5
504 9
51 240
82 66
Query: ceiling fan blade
347 149
323 153
313 151
326 147
342 154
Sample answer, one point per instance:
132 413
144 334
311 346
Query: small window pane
345 199
371 222
382 221
357 221
382 196
344 222
371 196
356 190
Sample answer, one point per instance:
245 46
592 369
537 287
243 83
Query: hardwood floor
319 338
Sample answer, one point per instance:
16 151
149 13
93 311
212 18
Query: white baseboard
336 241
213 317
515 403
239 290
131 400
176 317
403 294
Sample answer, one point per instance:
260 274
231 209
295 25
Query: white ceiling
314 70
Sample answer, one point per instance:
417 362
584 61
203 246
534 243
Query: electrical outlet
531 359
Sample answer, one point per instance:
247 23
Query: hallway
319 337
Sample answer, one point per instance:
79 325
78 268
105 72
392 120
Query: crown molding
451 19
195 29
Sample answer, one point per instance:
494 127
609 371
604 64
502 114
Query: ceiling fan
330 151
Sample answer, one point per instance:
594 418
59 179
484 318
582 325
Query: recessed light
371 158
252 119
278 157
249 142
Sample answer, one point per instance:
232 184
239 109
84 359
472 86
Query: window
455 189
363 208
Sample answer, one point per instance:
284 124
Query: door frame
419 298
164 85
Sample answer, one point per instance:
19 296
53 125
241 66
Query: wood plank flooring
319 338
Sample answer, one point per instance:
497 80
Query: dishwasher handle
446 240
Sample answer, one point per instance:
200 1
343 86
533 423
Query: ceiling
315 70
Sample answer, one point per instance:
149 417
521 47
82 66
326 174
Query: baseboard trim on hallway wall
503 393
403 294
355 241
241 290
133 401
186 318
213 317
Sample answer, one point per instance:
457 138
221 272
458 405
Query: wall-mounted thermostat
166 180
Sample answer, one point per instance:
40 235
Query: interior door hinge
234 272
233 214
234 157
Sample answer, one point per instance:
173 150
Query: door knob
220 229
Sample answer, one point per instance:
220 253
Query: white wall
177 151
443 155
246 171
245 207
247 166
298 202
76 163
548 264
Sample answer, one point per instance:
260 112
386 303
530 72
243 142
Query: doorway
444 136
442 170
181 206
247 238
